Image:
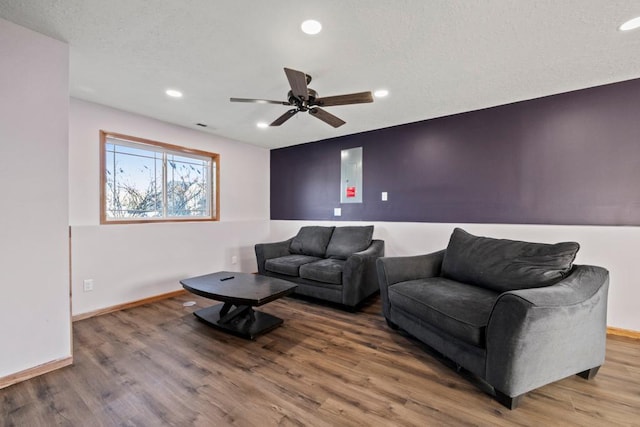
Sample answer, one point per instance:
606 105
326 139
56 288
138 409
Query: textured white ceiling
435 57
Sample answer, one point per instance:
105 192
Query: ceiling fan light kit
305 99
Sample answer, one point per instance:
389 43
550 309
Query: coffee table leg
226 316
225 309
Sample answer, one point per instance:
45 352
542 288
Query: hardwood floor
157 365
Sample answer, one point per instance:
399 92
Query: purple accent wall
572 158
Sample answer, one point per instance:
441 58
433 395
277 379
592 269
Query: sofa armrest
540 335
359 278
376 250
265 251
393 270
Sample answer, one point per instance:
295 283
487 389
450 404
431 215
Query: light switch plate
337 211
384 196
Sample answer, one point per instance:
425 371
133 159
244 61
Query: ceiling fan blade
283 118
351 98
298 83
259 101
326 117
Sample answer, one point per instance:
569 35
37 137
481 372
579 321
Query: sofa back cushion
311 240
503 265
347 240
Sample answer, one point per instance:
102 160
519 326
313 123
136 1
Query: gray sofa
335 264
518 315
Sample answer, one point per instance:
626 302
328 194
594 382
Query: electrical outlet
337 211
88 285
385 196
234 259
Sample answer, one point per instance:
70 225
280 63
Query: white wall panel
35 326
136 261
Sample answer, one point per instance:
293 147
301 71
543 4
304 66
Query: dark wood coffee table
242 291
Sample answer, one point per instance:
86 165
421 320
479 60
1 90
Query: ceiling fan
304 98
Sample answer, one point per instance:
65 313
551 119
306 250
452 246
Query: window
148 181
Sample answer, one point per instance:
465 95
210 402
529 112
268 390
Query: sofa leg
589 374
508 401
391 324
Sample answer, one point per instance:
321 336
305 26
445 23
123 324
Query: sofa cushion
504 265
459 309
311 240
289 264
325 271
346 241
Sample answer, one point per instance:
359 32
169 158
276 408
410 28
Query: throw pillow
311 240
348 240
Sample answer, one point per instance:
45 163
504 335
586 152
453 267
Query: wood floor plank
157 364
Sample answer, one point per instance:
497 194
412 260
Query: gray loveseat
335 264
518 315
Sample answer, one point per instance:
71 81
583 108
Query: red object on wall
351 191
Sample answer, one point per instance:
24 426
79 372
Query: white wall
615 248
132 262
35 326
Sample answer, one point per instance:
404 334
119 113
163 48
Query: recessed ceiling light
262 125
311 26
631 24
381 93
173 93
